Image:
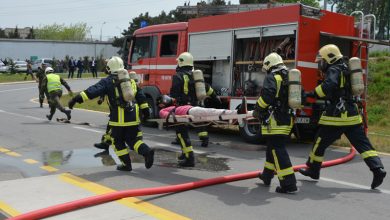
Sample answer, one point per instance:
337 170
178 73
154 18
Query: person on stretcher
168 108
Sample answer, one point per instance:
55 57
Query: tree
31 35
2 33
76 32
15 34
380 8
218 2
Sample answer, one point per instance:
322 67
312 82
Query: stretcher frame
200 121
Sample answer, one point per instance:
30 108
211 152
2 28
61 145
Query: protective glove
70 93
260 113
100 101
75 99
145 114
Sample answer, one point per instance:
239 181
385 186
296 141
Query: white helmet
114 65
185 59
330 53
273 59
49 70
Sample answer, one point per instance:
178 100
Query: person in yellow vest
53 89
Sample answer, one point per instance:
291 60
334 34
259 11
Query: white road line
11 90
353 185
88 129
35 118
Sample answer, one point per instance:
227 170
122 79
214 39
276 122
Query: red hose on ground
99 199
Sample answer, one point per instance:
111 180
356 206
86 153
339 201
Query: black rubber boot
149 159
266 179
379 175
67 113
287 189
181 157
188 161
49 117
310 173
122 167
103 146
205 142
41 105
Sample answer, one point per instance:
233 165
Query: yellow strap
313 158
278 79
269 165
183 143
121 152
137 145
342 80
84 96
369 153
133 123
139 134
187 150
203 134
144 105
210 92
319 91
186 80
276 163
262 103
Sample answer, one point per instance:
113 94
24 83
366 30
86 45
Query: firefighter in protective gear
183 91
275 116
124 116
53 90
40 75
341 116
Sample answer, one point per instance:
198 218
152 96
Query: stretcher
199 121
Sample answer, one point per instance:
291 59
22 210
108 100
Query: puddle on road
84 158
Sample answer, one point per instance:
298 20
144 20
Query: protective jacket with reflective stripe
183 87
119 116
335 86
274 94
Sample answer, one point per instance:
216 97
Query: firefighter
341 116
183 91
40 75
124 114
52 86
276 118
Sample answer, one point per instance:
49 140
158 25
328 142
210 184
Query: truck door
142 54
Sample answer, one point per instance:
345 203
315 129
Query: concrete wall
25 48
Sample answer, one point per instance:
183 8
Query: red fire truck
230 48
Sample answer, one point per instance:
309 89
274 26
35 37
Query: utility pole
101 30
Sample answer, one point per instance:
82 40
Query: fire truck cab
229 49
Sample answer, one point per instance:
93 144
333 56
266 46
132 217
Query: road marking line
8 209
30 161
88 129
14 154
131 202
11 90
353 185
4 150
49 168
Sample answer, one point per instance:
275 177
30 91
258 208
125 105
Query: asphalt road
342 192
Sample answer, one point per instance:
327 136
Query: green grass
19 77
89 104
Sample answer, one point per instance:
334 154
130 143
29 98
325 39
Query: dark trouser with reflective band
54 102
107 137
128 135
278 160
202 133
184 139
355 134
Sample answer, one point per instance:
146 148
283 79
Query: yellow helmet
185 59
114 64
330 53
271 60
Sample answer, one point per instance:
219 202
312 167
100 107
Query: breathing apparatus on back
122 81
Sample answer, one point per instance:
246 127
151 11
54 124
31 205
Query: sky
110 17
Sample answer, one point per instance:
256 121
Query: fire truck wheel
251 133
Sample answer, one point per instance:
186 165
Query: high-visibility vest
53 82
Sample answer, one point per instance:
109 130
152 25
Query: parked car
20 66
3 68
39 62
